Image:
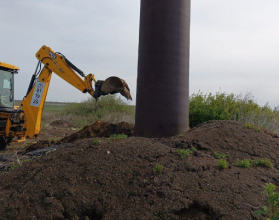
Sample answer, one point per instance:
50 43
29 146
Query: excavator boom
33 103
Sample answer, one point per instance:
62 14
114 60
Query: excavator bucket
112 85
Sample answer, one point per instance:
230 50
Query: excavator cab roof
8 66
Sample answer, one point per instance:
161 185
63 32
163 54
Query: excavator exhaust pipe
112 85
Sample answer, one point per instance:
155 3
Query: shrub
222 163
222 106
109 108
272 197
158 168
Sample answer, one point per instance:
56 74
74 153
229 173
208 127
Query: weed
14 167
222 163
271 210
186 152
246 163
251 126
181 135
263 163
158 168
243 163
118 136
221 155
27 160
96 142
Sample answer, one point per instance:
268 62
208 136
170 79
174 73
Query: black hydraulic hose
33 78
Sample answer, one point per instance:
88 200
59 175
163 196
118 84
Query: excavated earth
114 179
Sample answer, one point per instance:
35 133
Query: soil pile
97 129
115 179
101 129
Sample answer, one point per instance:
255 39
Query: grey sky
234 44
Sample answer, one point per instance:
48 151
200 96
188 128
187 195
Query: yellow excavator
23 122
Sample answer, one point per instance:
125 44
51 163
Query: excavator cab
7 87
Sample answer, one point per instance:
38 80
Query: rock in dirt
83 181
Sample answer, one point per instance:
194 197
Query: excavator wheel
4 142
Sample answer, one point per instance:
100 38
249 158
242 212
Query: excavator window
6 89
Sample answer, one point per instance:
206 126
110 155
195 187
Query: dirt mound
59 123
97 129
115 179
101 129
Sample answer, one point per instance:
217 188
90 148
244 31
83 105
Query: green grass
96 142
51 107
14 167
253 127
222 163
264 163
271 210
221 155
118 136
243 163
247 163
186 152
158 168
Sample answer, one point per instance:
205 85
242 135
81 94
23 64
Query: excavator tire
114 85
4 142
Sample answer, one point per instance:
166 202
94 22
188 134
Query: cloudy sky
234 44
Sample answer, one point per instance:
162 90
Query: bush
222 106
110 108
222 163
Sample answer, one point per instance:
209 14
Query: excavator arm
33 103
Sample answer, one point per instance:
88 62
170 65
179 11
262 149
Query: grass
13 167
222 163
203 107
118 136
253 127
246 163
186 152
158 168
243 163
271 210
221 155
96 142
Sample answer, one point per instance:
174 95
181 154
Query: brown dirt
101 129
114 179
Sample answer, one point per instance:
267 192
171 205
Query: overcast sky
234 44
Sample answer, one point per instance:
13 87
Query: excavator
23 122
